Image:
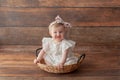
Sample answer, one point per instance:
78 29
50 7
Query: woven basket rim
53 69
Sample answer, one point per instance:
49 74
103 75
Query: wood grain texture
59 3
63 78
16 63
96 29
44 16
82 35
21 35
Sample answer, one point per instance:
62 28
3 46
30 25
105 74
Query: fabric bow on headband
58 19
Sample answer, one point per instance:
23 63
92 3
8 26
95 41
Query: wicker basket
65 69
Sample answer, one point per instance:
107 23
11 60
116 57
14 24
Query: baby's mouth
58 37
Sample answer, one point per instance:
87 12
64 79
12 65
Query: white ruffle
54 51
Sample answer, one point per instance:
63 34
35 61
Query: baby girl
57 50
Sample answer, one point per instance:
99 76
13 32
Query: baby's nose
58 34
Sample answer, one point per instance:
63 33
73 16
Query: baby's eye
60 32
55 32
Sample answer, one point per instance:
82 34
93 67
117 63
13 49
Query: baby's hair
59 22
55 25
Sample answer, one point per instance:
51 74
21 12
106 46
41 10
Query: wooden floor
101 63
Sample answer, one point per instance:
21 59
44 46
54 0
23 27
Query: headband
58 19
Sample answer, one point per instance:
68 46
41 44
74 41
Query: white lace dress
53 51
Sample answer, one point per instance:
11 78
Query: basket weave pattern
65 69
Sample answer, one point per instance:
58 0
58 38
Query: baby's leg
72 60
48 63
48 60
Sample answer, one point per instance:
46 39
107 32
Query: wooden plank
104 64
21 35
63 78
82 35
96 34
18 49
83 48
43 16
59 3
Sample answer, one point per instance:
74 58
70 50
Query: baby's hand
36 61
60 66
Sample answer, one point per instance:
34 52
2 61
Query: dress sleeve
68 44
45 44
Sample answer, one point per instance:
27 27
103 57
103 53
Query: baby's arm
63 60
40 56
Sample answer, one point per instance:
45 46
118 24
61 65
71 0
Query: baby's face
57 33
